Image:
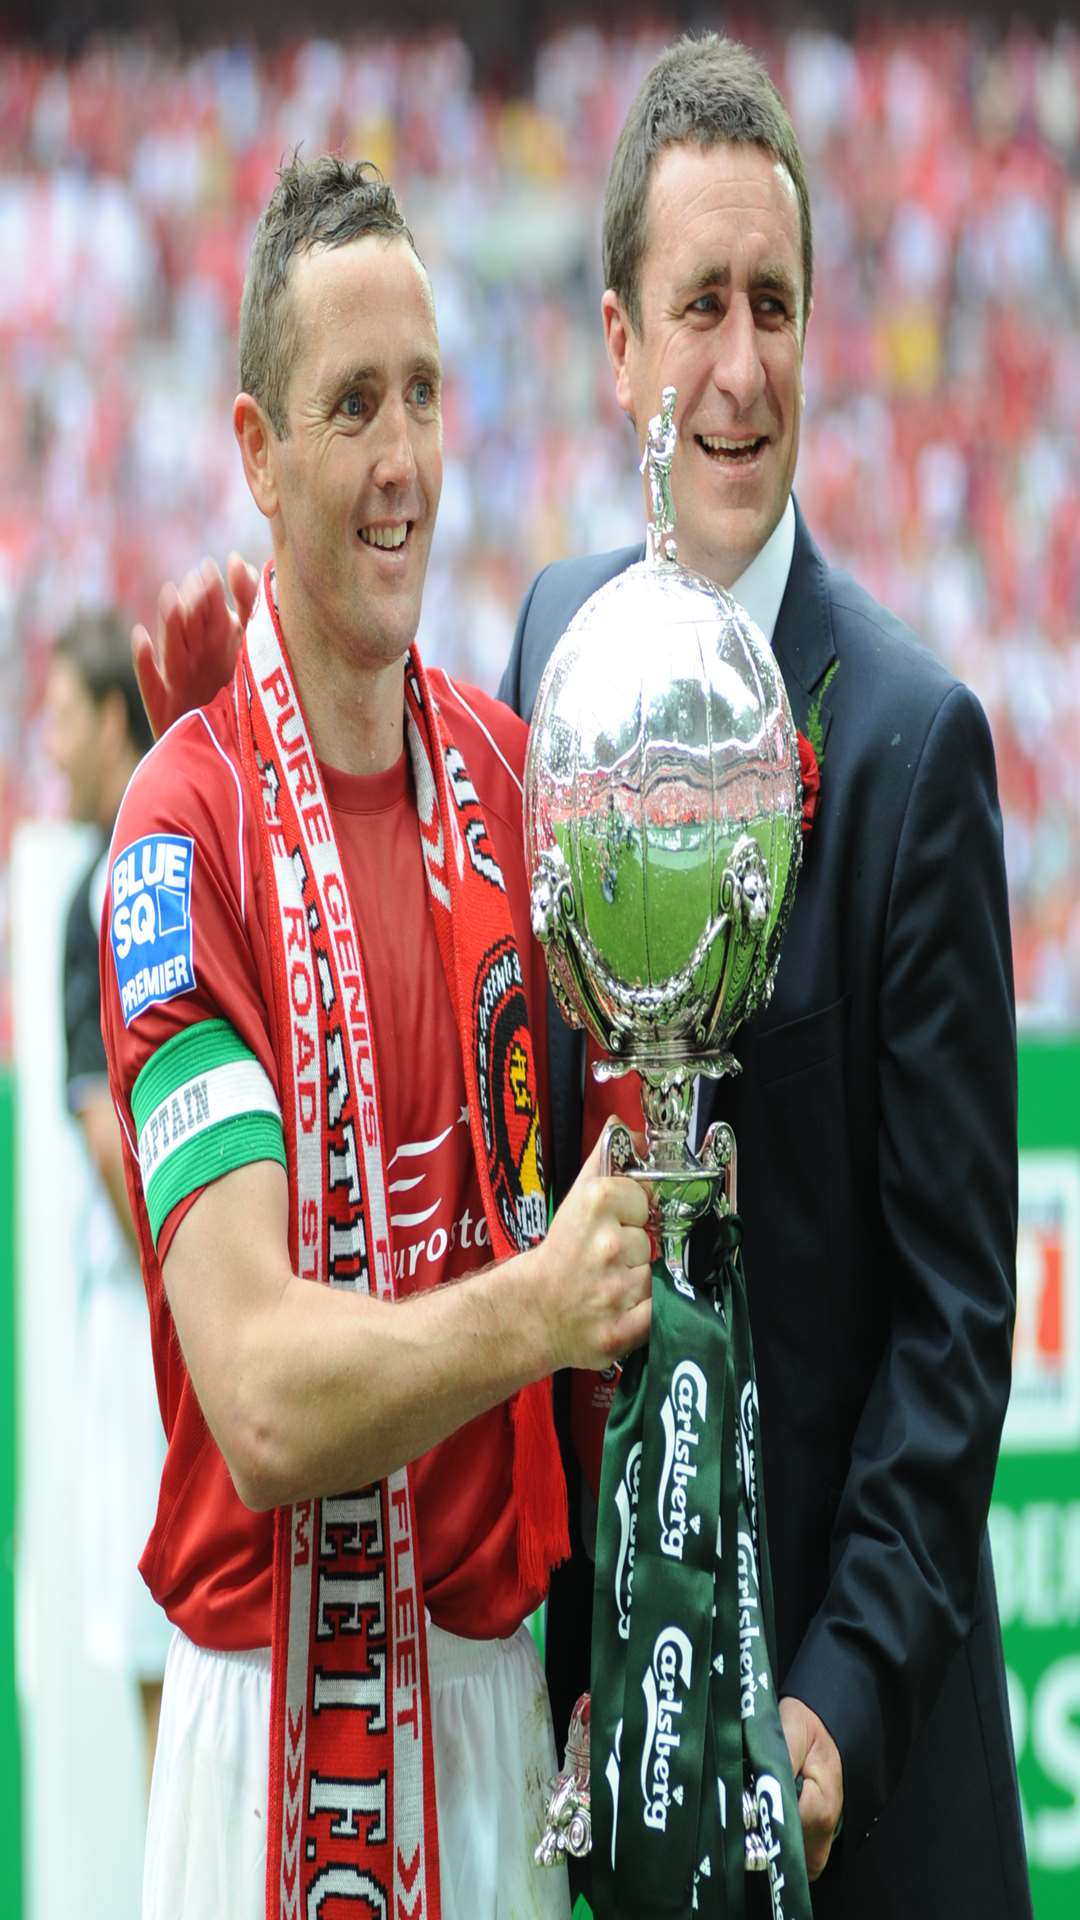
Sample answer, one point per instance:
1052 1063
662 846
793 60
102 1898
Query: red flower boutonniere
810 774
812 754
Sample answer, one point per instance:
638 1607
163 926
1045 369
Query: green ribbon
684 1712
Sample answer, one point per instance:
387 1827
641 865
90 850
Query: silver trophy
662 823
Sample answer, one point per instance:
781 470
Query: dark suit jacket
876 1125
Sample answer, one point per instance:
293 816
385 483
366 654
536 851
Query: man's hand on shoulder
193 651
814 1754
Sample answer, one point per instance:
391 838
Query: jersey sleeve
185 976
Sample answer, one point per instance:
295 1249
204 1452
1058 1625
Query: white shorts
494 1754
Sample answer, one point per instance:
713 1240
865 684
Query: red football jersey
184 942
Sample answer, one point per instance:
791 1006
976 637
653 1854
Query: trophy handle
621 1152
568 1830
679 1194
569 1811
719 1152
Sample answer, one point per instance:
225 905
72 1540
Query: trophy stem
685 1188
667 1101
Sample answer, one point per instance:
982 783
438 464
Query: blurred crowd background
941 449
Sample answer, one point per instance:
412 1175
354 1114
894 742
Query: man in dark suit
876 1110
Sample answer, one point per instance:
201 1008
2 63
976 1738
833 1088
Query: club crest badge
509 1107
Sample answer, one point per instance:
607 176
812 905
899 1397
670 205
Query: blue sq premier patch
150 926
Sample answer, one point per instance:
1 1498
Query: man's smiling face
721 295
357 477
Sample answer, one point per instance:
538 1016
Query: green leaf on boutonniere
814 731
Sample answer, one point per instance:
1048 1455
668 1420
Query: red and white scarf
352 1780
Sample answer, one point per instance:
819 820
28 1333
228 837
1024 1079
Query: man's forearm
310 1390
335 1390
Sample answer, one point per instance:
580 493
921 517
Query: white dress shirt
760 589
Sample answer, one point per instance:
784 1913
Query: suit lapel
803 641
805 650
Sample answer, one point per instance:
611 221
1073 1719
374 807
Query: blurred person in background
97 733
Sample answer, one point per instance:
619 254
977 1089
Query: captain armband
202 1106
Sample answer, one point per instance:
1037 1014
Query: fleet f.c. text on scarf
352 1784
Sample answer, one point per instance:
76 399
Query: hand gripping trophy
662 829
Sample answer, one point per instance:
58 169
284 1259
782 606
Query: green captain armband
202 1106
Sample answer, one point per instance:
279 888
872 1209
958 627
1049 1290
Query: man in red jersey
317 988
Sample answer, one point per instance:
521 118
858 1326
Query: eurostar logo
425 1235
407 1182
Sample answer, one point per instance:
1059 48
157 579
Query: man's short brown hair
705 91
320 203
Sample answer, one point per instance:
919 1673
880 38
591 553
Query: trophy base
568 1833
